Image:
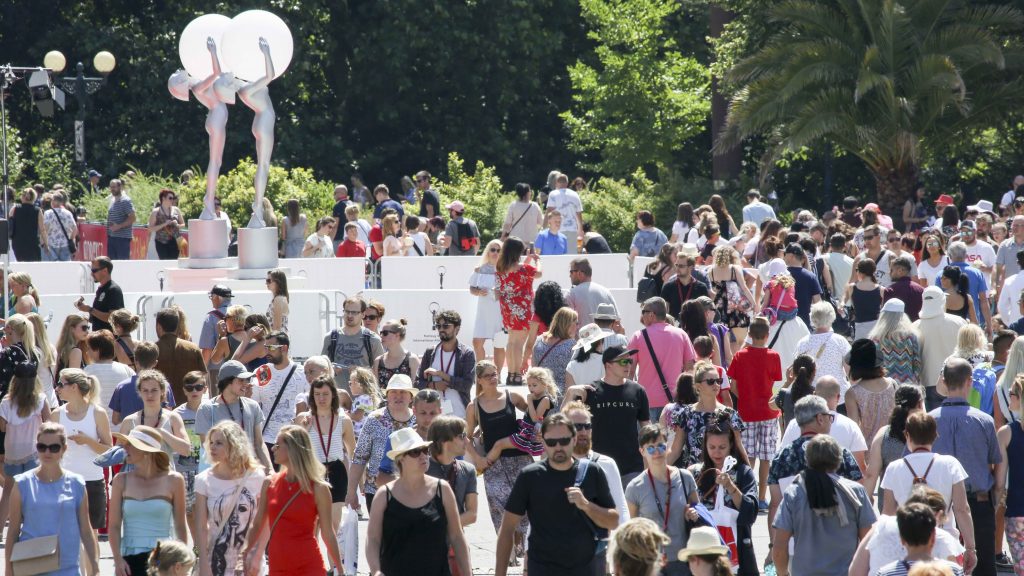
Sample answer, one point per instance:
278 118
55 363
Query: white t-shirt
451 402
984 252
1007 199
885 546
323 246
929 273
20 441
845 431
683 233
568 203
109 375
268 383
946 471
229 523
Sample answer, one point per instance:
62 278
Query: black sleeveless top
962 311
25 229
386 373
414 541
866 304
498 425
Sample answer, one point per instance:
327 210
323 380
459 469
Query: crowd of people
855 386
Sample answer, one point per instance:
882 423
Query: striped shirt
902 567
119 211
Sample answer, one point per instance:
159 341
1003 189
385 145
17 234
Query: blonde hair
42 340
24 329
125 320
543 375
387 224
166 555
302 465
561 321
1017 387
487 250
970 340
933 568
481 366
183 332
635 548
785 280
25 393
703 367
67 341
369 383
25 280
88 386
240 455
724 255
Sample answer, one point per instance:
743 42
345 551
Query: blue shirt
126 399
806 288
1017 326
549 244
976 286
757 212
208 335
648 242
969 435
389 204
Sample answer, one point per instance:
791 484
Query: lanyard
689 289
668 496
440 357
330 436
241 413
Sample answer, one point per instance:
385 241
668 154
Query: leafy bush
236 192
611 206
52 164
143 189
482 193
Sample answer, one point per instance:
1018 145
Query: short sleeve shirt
268 387
246 413
55 237
1007 256
753 372
807 287
108 298
617 413
652 502
568 203
551 243
790 462
460 475
674 351
945 472
119 211
430 198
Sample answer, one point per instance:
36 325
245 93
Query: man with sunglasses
980 254
580 416
108 295
430 201
684 287
278 384
177 356
619 407
570 509
846 432
448 367
353 345
874 236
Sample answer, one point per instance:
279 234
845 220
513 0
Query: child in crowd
541 400
194 385
705 348
366 396
754 370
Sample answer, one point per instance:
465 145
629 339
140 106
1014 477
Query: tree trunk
894 186
725 166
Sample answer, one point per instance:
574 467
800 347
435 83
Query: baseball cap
893 305
968 225
457 206
944 199
872 207
233 369
613 353
95 174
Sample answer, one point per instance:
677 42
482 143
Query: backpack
919 479
468 239
649 286
983 387
366 345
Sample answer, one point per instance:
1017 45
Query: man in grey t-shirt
232 405
448 444
351 346
586 295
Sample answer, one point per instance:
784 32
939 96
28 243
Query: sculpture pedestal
207 240
257 249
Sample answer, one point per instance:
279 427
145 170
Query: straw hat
405 440
704 540
142 438
589 334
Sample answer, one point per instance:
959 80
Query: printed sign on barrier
92 242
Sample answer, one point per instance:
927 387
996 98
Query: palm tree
881 79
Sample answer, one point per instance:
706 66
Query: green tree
884 80
642 99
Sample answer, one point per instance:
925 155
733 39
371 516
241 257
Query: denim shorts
15 469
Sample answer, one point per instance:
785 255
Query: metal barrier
86 283
329 308
140 311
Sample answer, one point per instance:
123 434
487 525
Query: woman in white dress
488 325
319 243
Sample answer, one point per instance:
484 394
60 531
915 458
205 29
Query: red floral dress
515 297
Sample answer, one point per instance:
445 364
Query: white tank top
334 437
79 457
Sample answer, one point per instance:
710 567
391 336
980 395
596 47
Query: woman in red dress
514 290
292 506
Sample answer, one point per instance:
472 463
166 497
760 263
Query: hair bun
403 321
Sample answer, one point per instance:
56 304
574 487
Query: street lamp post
81 87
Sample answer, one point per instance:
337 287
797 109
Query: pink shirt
674 351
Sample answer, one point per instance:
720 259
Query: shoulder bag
505 233
72 245
281 513
281 391
657 365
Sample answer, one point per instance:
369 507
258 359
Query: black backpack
468 239
649 286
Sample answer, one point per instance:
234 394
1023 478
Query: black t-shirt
561 535
676 295
597 245
430 198
108 298
339 213
617 412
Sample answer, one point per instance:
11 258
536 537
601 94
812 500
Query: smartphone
530 249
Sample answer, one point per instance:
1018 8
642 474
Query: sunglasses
194 387
273 346
659 448
84 327
370 317
53 448
496 250
417 452
580 426
552 442
831 416
866 237
61 384
625 362
894 239
95 270
712 381
269 281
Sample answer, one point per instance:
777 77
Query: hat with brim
405 440
982 206
142 438
704 541
775 267
863 354
401 383
613 353
933 302
590 334
233 369
605 311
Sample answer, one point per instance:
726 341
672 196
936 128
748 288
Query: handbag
737 302
348 542
39 555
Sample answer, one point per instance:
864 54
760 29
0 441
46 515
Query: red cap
945 199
